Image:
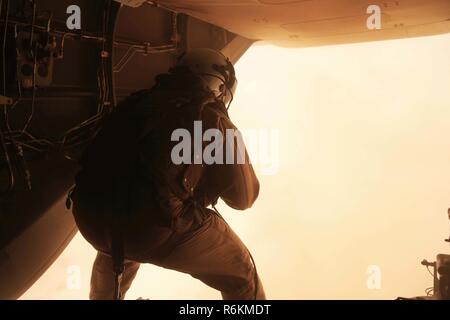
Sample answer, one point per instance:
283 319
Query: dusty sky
363 176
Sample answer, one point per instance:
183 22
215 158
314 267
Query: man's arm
235 183
244 189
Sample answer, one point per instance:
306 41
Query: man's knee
246 288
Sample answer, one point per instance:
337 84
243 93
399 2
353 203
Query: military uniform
165 219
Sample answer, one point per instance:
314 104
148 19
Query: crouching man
136 202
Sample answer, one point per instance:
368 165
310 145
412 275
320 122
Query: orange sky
363 175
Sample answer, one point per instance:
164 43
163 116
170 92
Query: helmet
214 69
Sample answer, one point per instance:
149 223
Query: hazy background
363 179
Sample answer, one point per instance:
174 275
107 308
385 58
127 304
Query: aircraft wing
308 23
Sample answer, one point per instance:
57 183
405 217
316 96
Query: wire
33 21
49 22
2 135
33 99
61 50
5 111
14 142
19 87
125 59
429 271
75 136
4 44
18 140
